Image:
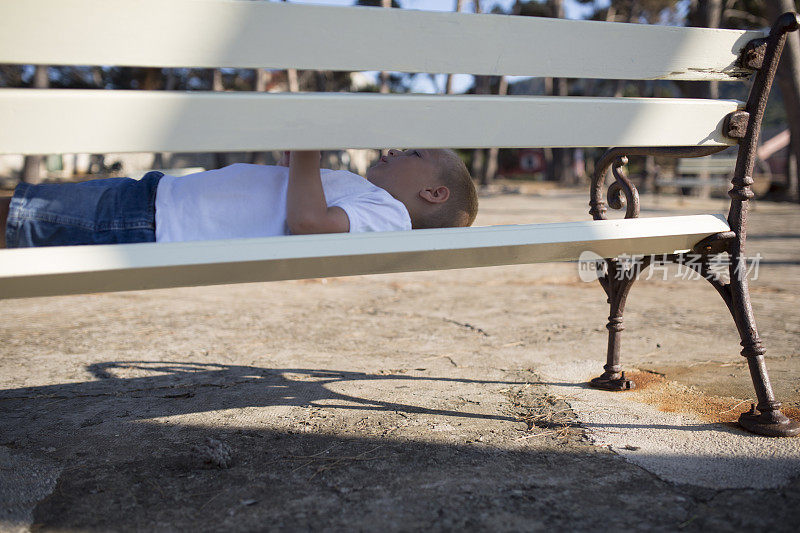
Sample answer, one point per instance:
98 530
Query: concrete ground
436 401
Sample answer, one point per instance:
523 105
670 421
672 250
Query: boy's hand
306 208
286 158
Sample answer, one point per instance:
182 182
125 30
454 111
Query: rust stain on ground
673 397
645 380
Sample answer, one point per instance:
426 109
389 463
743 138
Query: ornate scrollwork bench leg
619 277
762 55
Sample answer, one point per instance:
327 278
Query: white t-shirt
242 200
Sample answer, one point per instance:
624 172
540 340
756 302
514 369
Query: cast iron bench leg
765 417
617 282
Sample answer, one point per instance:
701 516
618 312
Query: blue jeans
103 211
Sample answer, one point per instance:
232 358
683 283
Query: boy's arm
306 209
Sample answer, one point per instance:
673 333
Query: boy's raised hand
307 210
287 157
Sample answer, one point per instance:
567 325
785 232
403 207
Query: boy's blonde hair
461 207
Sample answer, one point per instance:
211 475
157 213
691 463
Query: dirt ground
393 402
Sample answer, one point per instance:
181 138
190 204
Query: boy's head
434 185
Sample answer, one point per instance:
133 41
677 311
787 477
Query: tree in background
646 11
558 161
732 14
703 14
32 164
760 14
562 157
481 86
385 85
789 83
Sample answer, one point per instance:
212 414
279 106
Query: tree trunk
262 79
562 157
561 160
172 79
704 14
448 85
170 84
494 152
291 78
151 79
650 173
789 82
216 84
384 74
549 165
220 158
32 164
478 169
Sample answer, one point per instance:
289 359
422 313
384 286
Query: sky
461 82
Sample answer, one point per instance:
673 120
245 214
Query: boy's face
404 173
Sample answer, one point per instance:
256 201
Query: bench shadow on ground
143 390
116 466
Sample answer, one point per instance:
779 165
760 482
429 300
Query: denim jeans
103 211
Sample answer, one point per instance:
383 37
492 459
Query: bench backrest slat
64 121
245 34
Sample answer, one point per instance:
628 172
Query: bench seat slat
66 121
223 33
79 269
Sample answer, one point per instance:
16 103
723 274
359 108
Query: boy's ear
435 195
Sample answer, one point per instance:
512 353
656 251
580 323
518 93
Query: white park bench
710 173
711 165
690 172
245 34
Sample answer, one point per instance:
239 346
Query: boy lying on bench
415 188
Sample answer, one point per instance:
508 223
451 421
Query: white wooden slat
223 33
80 269
64 121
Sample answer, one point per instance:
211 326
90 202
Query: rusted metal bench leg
618 279
617 283
764 417
745 125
